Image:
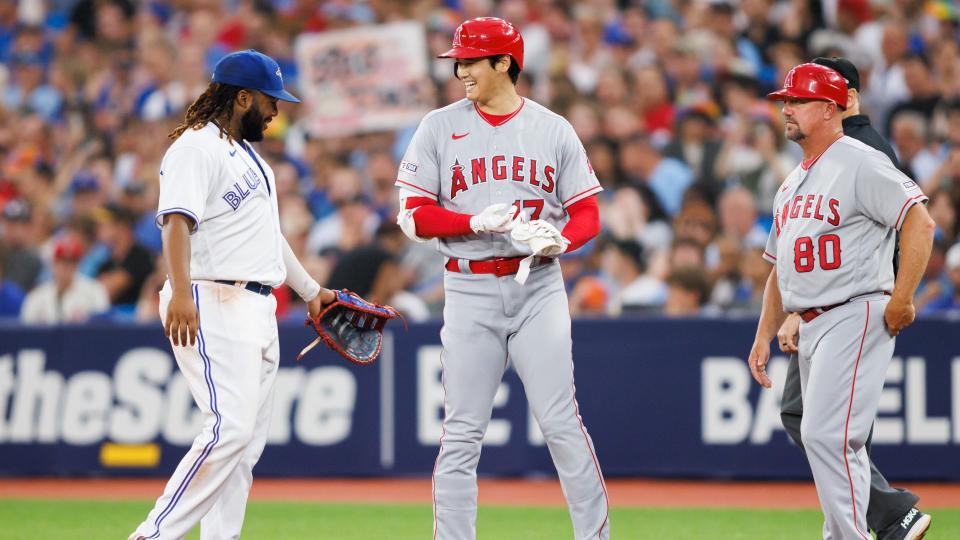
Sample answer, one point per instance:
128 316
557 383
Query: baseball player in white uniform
225 254
470 170
835 222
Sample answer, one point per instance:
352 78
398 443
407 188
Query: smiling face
480 79
257 110
801 116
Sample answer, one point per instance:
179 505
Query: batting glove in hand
543 238
496 218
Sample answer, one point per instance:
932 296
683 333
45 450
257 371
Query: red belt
813 313
500 266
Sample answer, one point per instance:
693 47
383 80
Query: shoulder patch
409 167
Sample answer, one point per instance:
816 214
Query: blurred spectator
696 220
754 271
687 292
886 85
924 95
909 137
22 264
724 274
129 263
949 301
631 215
633 291
352 224
697 144
374 272
667 177
737 214
589 297
754 155
667 97
11 295
943 210
69 297
934 285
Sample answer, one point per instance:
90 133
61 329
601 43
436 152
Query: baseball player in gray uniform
835 222
473 174
225 253
891 512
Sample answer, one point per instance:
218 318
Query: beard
251 125
795 134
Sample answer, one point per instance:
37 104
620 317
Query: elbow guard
408 225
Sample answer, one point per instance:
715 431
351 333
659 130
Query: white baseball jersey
534 159
228 191
835 223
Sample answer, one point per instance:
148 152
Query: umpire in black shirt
891 513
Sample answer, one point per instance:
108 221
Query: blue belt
252 286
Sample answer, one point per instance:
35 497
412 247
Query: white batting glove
496 218
542 238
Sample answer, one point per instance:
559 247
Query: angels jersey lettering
835 226
534 160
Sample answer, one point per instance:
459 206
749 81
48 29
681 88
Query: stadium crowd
666 95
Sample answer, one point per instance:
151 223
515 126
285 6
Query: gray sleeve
576 179
884 193
419 171
770 252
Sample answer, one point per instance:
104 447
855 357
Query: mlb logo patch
409 167
910 184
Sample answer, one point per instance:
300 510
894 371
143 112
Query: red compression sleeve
435 222
584 222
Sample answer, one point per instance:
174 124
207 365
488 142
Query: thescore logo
730 416
146 397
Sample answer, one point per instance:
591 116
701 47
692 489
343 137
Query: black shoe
912 526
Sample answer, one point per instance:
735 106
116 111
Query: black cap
844 67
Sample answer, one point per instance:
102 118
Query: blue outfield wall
660 398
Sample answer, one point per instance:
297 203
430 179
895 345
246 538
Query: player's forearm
584 222
916 242
436 222
298 278
771 315
176 251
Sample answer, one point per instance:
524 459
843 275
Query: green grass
89 520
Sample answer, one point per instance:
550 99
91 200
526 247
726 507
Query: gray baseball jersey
466 164
535 159
835 222
835 226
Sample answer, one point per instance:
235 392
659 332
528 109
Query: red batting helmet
486 36
813 81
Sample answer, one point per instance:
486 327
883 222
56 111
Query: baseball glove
351 326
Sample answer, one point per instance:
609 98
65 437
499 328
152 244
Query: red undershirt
498 119
433 221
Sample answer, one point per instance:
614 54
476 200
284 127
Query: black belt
252 286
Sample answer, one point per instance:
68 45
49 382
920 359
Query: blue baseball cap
254 70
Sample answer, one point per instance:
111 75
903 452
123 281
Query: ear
853 98
503 64
244 99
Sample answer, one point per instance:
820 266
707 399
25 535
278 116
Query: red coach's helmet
486 36
813 81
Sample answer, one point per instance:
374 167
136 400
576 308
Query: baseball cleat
912 526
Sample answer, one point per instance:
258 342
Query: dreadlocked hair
215 103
